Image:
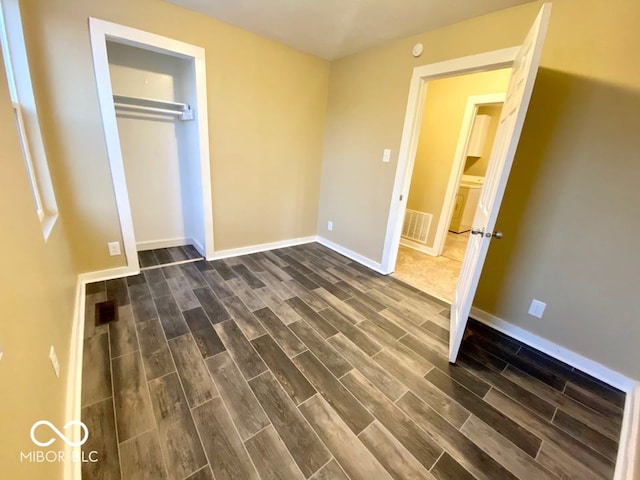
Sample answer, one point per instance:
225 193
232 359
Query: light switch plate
330 225
386 155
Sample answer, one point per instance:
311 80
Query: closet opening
152 93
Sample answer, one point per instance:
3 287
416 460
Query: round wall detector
417 50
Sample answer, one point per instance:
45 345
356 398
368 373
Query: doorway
152 90
524 61
458 123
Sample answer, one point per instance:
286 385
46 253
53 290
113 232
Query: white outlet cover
114 248
386 155
537 308
330 225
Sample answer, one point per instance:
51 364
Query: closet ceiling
331 29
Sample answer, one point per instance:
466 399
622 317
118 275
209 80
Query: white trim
101 31
100 275
28 158
446 214
179 262
236 252
480 62
6 53
627 458
198 246
166 243
417 246
16 64
584 364
367 262
409 143
72 470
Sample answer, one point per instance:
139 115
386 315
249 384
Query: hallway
437 276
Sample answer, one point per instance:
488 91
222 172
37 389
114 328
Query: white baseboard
417 246
626 461
586 365
627 458
166 243
236 252
108 274
171 242
72 470
198 246
367 262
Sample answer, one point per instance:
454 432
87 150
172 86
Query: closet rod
151 105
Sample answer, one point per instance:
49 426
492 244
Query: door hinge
401 197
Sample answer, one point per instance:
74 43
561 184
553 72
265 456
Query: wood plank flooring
301 364
165 256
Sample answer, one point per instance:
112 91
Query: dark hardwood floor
164 256
299 363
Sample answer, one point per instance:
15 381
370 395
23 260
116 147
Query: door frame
421 76
474 102
100 32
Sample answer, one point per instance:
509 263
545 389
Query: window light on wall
24 109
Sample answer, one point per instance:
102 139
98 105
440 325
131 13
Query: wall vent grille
416 225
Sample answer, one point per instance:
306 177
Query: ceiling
331 29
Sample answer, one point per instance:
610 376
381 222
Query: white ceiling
334 28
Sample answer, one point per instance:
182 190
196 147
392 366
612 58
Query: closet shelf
181 110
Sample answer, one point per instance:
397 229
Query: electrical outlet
386 155
330 225
114 248
537 308
54 361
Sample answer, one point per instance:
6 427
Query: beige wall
478 165
444 109
266 114
37 284
570 213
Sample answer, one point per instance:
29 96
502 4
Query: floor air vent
106 312
416 225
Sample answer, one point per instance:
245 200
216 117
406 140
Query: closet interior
154 97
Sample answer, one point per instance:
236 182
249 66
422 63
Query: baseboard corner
108 274
627 458
367 262
263 247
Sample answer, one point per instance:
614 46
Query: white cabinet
465 208
478 136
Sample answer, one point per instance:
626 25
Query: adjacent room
445 184
295 240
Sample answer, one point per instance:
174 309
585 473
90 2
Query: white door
514 111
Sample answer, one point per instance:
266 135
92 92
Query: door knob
481 231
